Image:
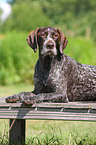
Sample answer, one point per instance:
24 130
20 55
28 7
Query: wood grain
81 111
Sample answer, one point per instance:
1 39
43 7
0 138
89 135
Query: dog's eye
44 34
55 36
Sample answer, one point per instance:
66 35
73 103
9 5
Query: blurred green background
76 18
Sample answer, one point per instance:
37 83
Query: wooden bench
18 113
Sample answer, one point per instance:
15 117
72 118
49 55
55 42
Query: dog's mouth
52 52
49 53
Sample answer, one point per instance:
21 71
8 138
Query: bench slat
60 111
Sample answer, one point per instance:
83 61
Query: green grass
61 132
14 89
55 132
49 132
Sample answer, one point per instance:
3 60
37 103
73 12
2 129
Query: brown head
50 40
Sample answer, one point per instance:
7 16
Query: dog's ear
63 40
32 39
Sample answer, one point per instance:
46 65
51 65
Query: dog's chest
56 74
52 76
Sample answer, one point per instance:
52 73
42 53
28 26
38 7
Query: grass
49 132
55 132
61 132
14 89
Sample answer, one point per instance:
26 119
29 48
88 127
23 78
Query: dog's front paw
28 100
12 99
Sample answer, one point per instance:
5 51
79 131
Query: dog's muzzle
49 47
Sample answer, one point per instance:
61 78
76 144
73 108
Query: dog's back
81 81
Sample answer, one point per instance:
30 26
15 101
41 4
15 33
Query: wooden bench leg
17 131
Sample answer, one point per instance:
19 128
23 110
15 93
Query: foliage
17 59
76 17
73 15
82 50
25 17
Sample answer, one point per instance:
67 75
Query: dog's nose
50 45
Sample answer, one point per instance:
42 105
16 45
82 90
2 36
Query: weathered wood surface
60 111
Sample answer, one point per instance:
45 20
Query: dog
58 77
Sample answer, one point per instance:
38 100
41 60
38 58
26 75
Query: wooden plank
58 111
69 105
76 111
48 115
82 104
67 118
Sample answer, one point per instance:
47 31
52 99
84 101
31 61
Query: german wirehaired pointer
57 78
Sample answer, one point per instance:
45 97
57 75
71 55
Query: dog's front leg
18 97
44 97
30 98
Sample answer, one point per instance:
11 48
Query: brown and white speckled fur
57 78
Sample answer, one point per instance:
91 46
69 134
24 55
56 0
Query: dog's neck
47 61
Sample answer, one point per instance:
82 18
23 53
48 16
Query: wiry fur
57 78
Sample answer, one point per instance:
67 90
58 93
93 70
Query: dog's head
50 40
